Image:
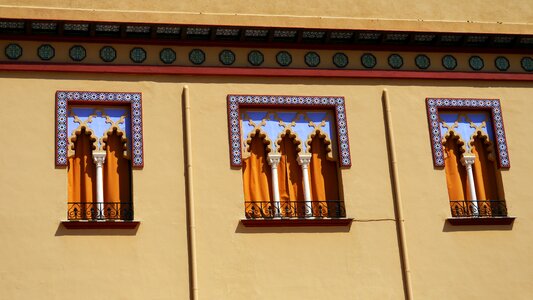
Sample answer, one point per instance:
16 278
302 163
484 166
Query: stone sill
104 224
296 222
481 221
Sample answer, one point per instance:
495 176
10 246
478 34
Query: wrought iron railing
100 211
478 208
294 209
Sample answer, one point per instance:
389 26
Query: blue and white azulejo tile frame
335 104
66 98
453 104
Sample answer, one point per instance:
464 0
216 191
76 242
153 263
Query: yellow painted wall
432 15
41 260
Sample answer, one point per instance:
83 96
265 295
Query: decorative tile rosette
284 102
492 105
66 98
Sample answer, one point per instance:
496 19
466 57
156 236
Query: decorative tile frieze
13 51
46 52
227 32
397 37
76 27
256 58
107 28
12 25
476 63
167 56
226 57
502 63
476 38
284 33
77 53
312 59
449 62
526 41
492 106
65 99
284 58
198 30
422 61
424 37
341 35
450 38
197 56
368 60
44 26
527 64
313 34
503 39
108 54
168 30
395 61
256 33
335 104
138 55
370 36
340 60
137 29
70 53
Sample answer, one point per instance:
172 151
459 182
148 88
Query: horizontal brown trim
263 72
295 222
481 221
441 48
100 224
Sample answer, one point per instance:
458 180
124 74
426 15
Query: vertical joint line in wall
191 223
404 257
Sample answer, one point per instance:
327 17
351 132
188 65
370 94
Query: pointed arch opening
257 178
324 179
290 177
117 177
81 177
487 177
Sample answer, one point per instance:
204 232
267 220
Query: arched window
472 177
290 167
99 164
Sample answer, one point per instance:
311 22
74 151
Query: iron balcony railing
100 211
478 208
295 209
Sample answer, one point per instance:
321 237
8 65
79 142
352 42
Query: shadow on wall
62 231
287 229
454 228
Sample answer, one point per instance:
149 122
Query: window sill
481 221
104 224
296 222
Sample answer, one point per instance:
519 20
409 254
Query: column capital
99 157
468 159
304 159
274 159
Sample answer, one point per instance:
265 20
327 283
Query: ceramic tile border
66 98
235 102
492 105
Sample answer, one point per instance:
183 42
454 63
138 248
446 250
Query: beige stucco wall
433 15
41 260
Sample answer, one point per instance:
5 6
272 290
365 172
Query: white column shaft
273 161
468 161
304 160
99 158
